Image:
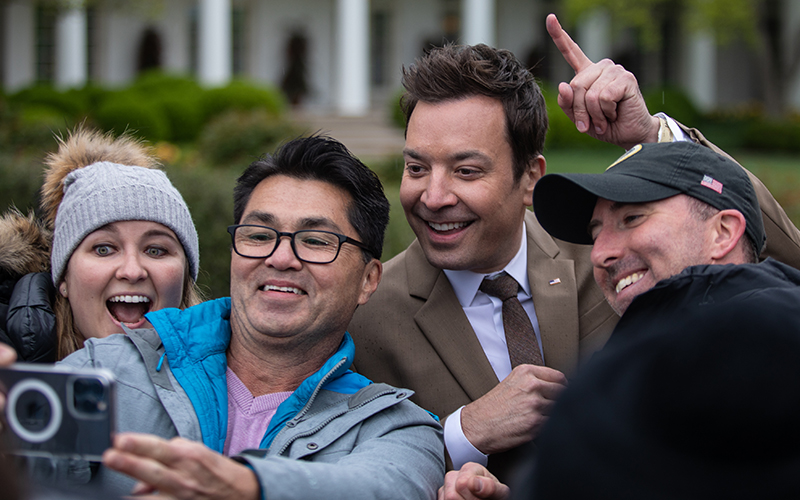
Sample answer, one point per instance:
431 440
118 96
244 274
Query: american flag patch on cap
711 183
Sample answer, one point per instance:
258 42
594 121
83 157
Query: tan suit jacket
413 332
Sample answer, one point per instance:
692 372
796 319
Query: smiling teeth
284 289
130 299
447 227
630 280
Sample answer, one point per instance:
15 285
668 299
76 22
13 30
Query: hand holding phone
54 411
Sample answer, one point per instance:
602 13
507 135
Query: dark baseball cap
564 203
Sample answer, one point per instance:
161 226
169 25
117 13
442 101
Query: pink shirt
248 417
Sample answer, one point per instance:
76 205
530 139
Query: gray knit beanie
105 192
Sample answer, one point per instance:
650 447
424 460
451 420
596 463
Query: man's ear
370 280
534 172
729 226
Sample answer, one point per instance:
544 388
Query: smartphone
54 411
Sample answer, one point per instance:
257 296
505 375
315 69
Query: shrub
209 195
242 96
72 104
30 127
242 136
183 114
125 110
35 127
20 179
179 99
156 83
91 95
398 118
562 133
772 135
675 103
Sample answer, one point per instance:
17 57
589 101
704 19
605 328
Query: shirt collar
466 283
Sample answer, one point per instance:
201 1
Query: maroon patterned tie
523 348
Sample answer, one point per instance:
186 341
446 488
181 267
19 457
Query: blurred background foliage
205 139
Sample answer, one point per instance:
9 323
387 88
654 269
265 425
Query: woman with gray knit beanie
123 240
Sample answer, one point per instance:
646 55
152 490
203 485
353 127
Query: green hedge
675 103
20 180
772 135
398 118
129 111
209 194
73 104
239 137
157 106
242 96
178 99
562 133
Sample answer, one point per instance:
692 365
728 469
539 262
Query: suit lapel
554 291
443 322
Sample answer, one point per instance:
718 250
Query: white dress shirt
485 315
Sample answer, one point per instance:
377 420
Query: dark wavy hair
456 72
322 158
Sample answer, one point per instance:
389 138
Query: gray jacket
369 444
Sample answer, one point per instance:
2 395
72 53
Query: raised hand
603 99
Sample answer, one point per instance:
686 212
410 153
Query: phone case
57 412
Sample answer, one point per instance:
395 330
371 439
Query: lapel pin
555 281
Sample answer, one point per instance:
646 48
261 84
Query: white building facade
341 56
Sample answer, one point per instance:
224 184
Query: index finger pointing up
569 49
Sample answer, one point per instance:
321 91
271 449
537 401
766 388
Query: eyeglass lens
309 246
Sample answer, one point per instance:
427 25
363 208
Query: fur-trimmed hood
24 244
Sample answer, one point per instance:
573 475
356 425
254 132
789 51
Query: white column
595 35
19 42
702 70
479 19
352 45
215 60
70 46
174 29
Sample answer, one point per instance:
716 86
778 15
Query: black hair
323 158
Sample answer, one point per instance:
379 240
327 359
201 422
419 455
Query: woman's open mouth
128 309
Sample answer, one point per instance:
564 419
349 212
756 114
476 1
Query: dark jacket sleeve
30 321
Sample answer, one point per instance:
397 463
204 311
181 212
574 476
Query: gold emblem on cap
627 154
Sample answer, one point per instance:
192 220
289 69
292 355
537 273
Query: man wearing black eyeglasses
263 376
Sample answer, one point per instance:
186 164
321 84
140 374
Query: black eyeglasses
312 246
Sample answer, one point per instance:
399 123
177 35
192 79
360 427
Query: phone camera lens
89 396
33 410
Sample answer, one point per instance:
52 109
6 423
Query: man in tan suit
476 123
675 230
